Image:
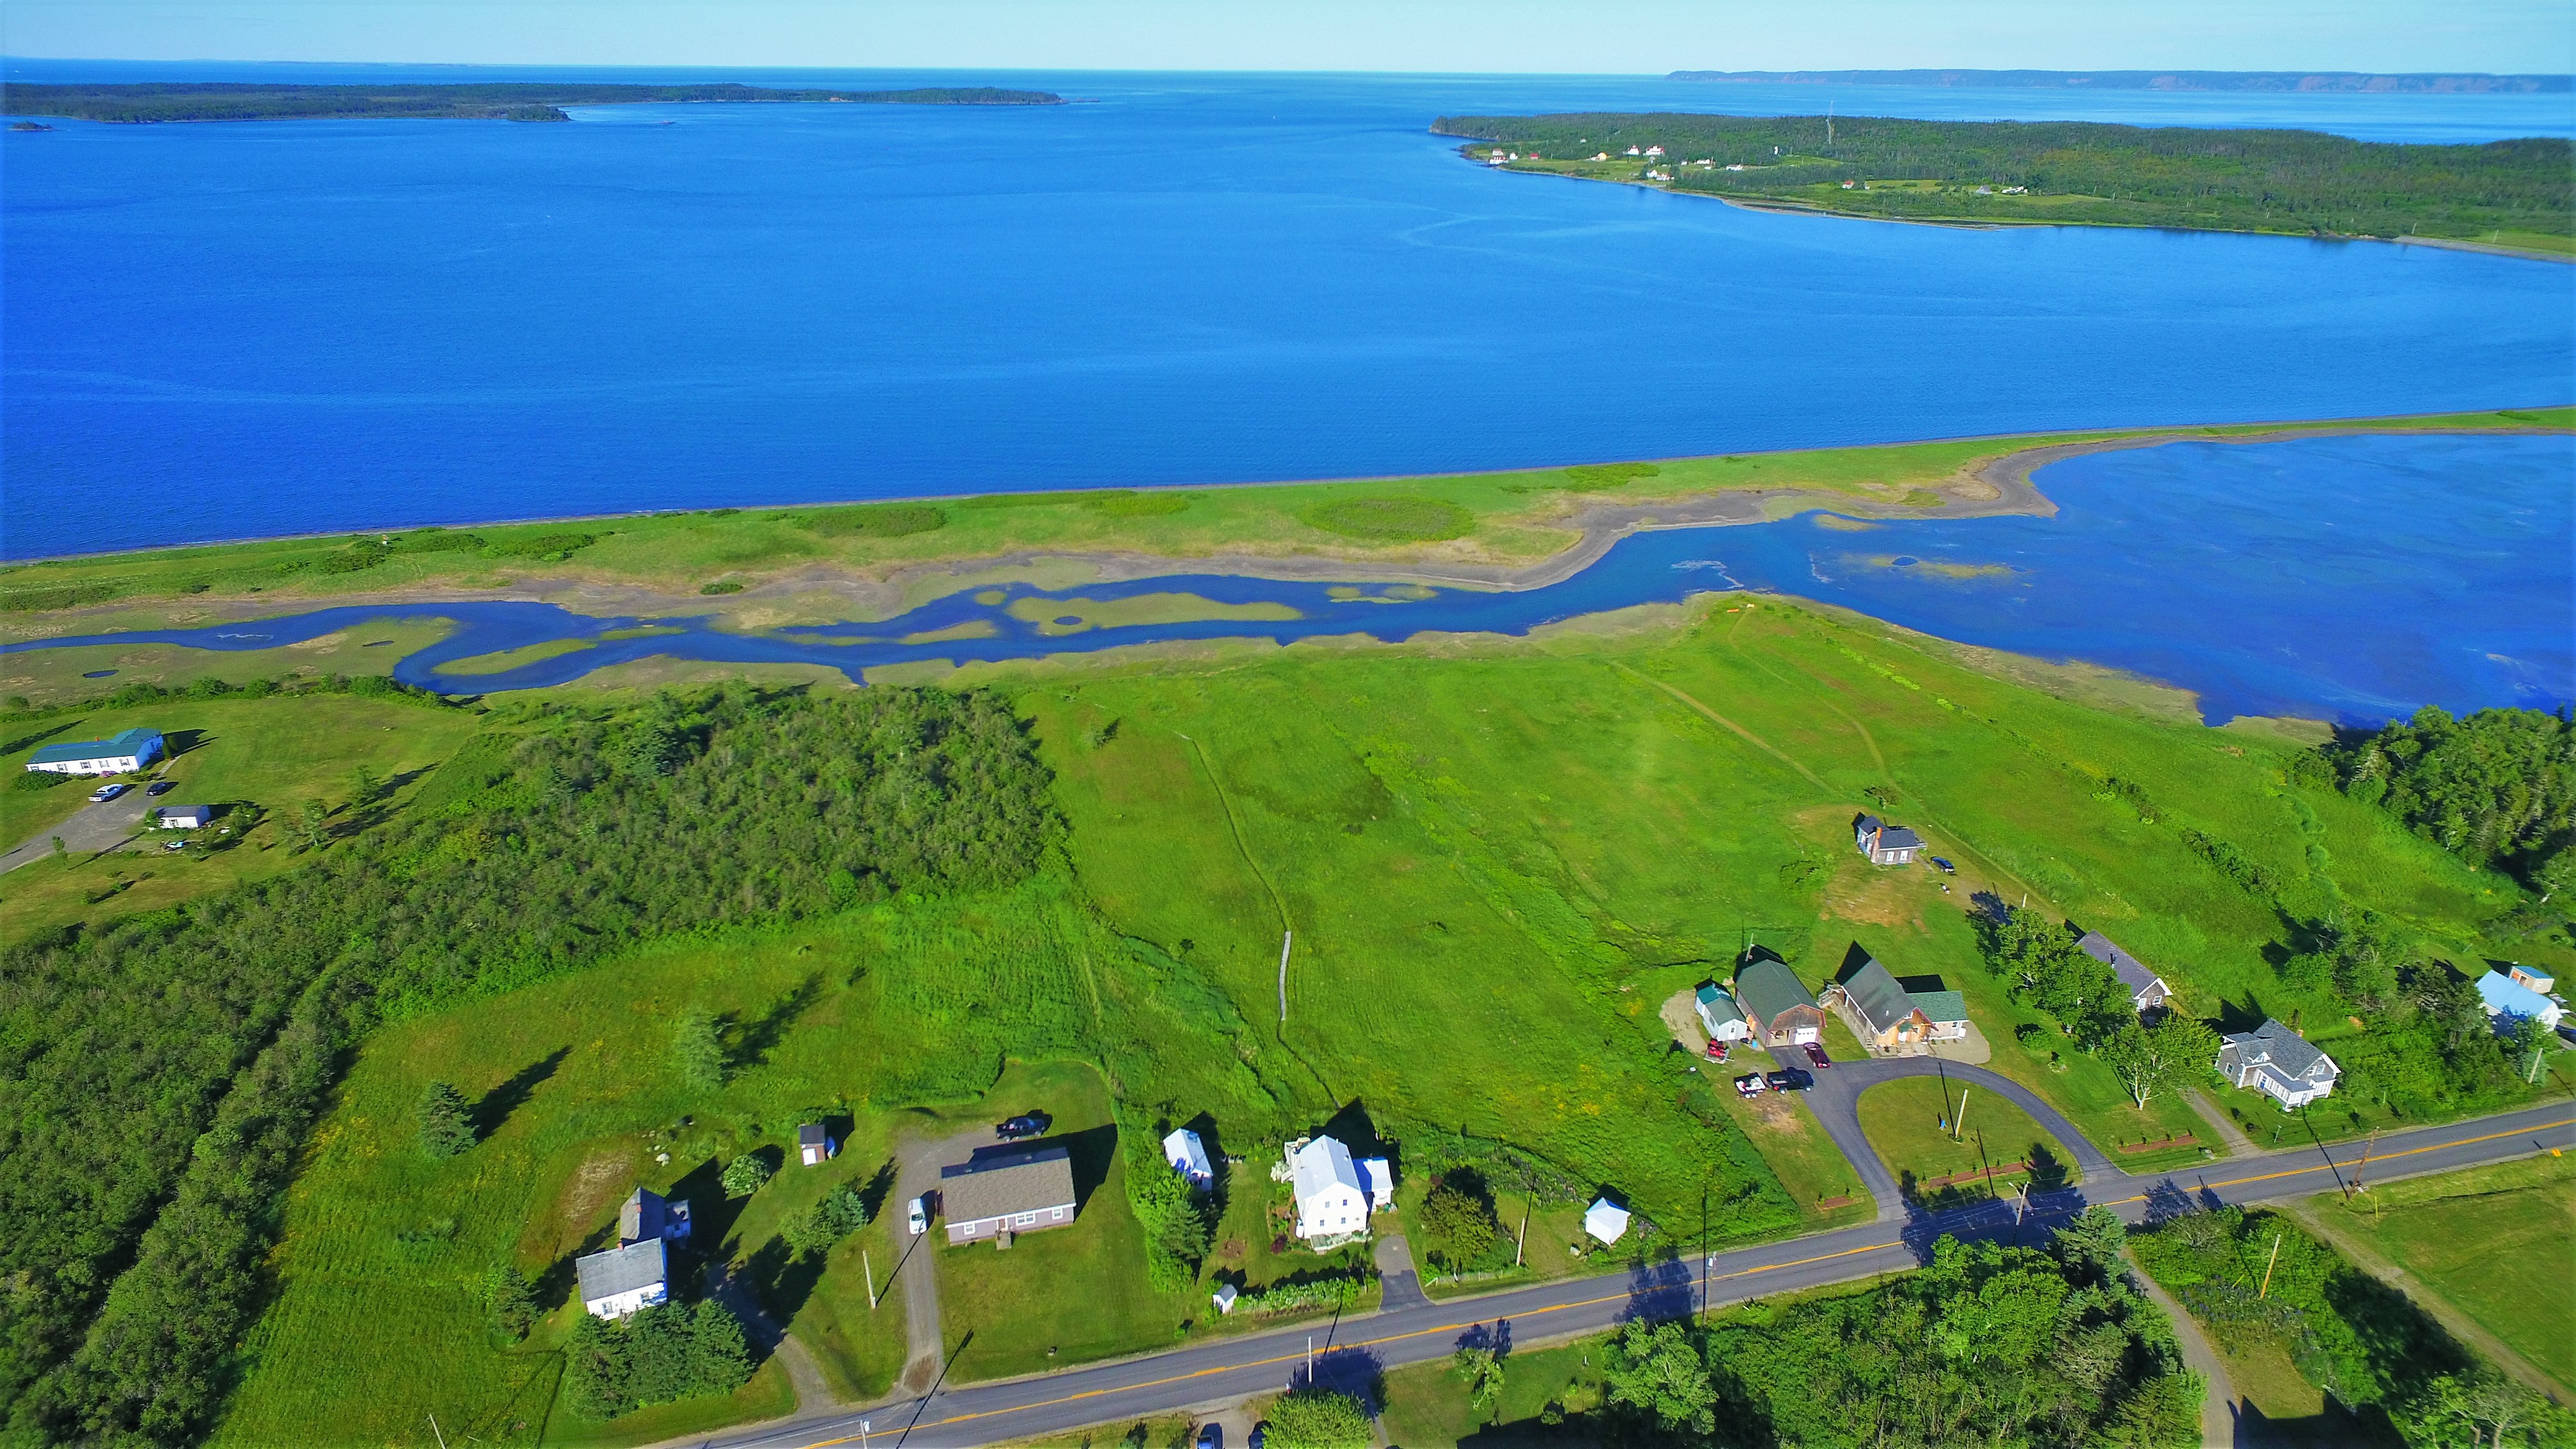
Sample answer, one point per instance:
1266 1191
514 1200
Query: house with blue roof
119 754
2507 999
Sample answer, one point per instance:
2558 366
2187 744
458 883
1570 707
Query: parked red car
1816 1054
1717 1051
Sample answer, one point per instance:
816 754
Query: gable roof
1768 988
2132 972
2281 1048
1876 996
1001 1184
1717 1006
1940 1006
811 1134
1323 1164
2502 993
115 746
622 1270
1898 837
647 1214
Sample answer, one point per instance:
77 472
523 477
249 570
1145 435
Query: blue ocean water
223 331
2351 578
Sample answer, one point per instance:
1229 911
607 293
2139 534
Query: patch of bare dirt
1682 1016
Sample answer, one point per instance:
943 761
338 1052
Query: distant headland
2146 80
210 101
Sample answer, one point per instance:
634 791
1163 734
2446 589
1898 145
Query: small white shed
1605 1220
1380 1180
1225 1296
185 817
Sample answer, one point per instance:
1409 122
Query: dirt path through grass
2221 1425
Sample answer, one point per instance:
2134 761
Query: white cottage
1380 1180
1331 1198
1188 1157
623 1280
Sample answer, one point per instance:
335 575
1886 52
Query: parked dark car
1943 866
1791 1080
1028 1124
1816 1054
160 787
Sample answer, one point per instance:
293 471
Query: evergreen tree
744 1175
512 1299
446 1122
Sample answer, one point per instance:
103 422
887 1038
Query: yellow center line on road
1462 1325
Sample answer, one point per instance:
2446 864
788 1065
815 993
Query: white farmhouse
622 1280
119 754
1188 1156
2279 1063
1331 1199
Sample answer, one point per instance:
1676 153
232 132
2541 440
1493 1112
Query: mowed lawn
1912 1120
275 753
2495 1241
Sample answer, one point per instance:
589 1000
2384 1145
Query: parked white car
920 1217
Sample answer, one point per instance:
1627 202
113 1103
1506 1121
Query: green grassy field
274 753
1427 1405
1906 1120
2492 1241
1508 519
1498 859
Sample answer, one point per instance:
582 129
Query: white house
1654 150
184 817
119 754
1188 1156
1605 1220
2507 998
2531 976
622 1280
1331 1198
1720 1016
814 1144
1224 1297
2279 1063
1381 1182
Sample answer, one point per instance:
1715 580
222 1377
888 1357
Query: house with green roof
1877 1009
119 754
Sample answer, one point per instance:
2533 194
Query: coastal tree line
2209 179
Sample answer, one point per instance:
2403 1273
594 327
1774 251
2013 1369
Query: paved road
1226 1370
92 828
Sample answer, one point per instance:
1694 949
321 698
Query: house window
1023 1220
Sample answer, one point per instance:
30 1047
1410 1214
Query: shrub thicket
660 1354
163 1069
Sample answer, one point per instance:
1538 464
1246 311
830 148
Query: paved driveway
92 828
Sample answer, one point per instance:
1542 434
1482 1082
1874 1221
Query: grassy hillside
1498 859
2303 182
798 564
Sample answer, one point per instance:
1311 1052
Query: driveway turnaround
1234 1368
93 828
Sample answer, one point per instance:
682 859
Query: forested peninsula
212 101
2519 194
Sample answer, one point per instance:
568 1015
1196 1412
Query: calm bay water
232 330
2351 579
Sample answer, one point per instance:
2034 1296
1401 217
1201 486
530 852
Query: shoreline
838 593
1784 206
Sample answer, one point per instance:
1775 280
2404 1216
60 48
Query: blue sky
1640 36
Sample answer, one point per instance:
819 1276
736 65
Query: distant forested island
2519 194
2146 80
218 101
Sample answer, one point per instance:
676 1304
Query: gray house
2147 990
1878 1010
2279 1063
1886 844
623 1280
650 1217
999 1194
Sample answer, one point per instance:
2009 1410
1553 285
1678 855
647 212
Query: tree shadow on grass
30 741
784 1279
497 1104
760 1035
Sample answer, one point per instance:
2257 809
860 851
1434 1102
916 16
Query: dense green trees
841 1212
745 1174
2235 180
2260 1280
1988 1345
667 1352
1176 1219
1318 1418
2496 788
2037 960
1459 1229
161 1071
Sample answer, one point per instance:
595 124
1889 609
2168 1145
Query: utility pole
864 1262
433 1428
1959 1123
2268 1266
2367 1148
